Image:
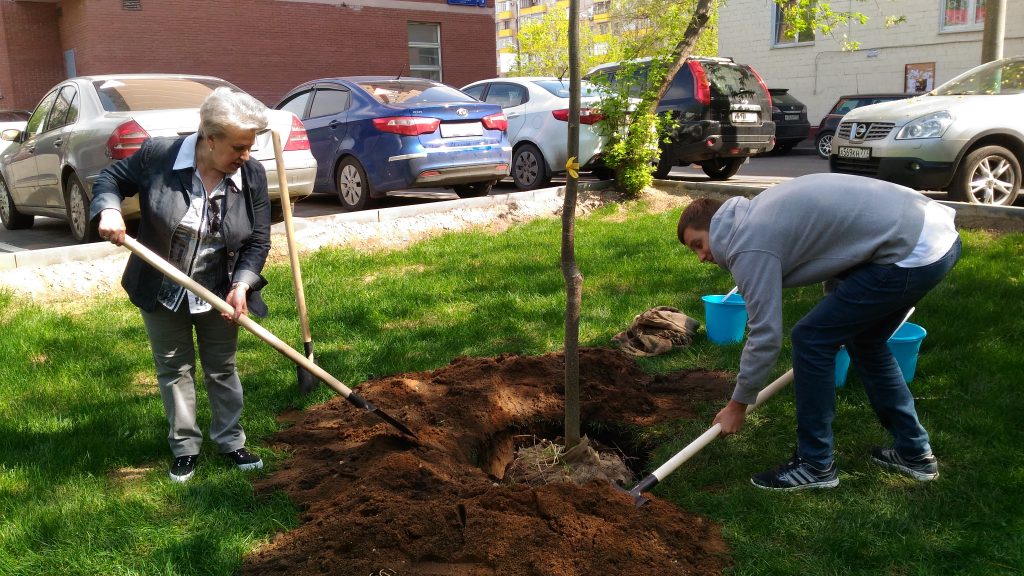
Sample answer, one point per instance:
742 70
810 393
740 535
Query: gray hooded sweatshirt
800 232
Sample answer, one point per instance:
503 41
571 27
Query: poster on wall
919 77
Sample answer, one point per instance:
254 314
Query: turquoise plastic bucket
842 366
905 345
725 321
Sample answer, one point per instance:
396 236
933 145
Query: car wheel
529 171
474 190
12 219
665 164
353 187
77 206
602 172
989 175
823 144
781 149
721 168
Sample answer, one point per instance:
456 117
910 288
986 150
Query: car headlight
933 125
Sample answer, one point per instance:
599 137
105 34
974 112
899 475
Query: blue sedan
374 134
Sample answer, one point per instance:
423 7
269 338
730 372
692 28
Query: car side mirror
10 135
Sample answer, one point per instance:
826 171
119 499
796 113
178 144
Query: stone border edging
1008 218
967 216
96 250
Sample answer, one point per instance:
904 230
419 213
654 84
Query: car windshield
135 94
412 92
560 88
730 80
1000 77
14 115
785 98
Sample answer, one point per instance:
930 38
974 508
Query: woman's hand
111 226
236 299
731 417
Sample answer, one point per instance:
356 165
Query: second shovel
307 381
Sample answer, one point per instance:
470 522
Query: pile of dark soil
376 502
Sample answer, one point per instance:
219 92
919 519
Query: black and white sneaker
244 459
922 468
183 468
797 475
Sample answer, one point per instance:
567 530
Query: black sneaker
797 475
922 468
183 468
244 459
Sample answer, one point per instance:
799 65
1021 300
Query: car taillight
587 115
701 87
763 87
297 137
496 122
407 125
126 140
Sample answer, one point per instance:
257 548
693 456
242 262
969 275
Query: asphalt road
767 170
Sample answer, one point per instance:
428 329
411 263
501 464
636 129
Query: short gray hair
224 108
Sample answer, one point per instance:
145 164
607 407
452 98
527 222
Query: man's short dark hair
698 216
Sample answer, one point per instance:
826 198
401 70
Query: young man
880 248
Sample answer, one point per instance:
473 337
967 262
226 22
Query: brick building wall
29 64
264 46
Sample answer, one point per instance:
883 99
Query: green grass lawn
83 454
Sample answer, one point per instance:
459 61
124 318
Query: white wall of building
817 72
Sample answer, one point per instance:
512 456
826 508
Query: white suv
966 136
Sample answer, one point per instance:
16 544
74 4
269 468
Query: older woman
205 209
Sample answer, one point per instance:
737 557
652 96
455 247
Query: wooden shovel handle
244 321
293 253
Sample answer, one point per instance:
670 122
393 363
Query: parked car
829 123
966 136
12 119
374 134
84 124
722 108
537 108
790 117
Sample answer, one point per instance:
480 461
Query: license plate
456 129
853 152
792 116
744 117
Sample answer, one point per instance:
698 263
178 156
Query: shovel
307 382
652 479
261 332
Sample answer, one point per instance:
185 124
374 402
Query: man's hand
111 226
236 299
731 417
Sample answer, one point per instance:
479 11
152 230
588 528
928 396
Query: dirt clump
376 502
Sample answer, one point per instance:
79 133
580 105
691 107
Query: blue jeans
866 307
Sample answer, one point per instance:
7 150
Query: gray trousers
170 337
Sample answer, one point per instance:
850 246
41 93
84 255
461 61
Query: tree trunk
701 15
573 278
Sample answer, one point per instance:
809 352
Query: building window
506 43
504 25
528 3
425 50
792 23
505 6
602 7
963 14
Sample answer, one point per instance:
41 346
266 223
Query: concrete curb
97 250
967 216
1004 218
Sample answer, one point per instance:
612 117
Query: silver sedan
84 124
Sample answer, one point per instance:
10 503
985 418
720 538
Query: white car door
514 100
